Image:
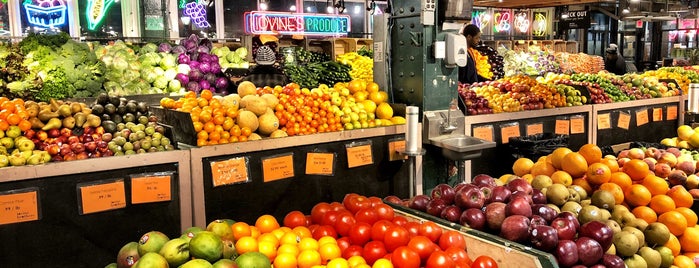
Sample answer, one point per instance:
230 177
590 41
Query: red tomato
309 221
395 237
423 246
451 238
373 251
323 230
431 230
399 220
337 206
352 250
404 257
440 259
294 218
360 233
344 222
378 230
384 211
375 201
413 228
343 243
458 255
318 211
356 202
484 262
330 218
367 215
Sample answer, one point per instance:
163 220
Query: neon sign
540 24
521 22
95 12
197 12
501 22
296 23
480 19
46 13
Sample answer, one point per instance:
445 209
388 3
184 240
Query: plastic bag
535 146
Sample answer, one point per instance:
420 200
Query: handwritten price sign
102 197
230 171
150 189
19 207
277 168
359 156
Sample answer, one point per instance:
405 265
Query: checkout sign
284 23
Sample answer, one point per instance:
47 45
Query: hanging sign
480 18
579 19
95 11
502 21
522 22
257 22
46 13
540 24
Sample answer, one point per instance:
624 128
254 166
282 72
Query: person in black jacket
265 74
469 74
613 61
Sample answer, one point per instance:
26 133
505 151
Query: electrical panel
427 8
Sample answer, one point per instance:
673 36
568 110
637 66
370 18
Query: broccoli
55 86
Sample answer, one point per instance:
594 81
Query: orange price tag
103 197
509 132
19 207
359 156
672 112
577 125
641 117
229 171
150 189
562 127
394 147
483 133
320 163
533 129
657 114
603 121
277 168
624 120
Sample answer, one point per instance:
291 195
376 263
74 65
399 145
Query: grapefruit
384 111
268 123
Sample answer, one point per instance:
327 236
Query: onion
203 84
221 83
183 78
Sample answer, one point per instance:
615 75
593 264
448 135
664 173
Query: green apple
4 161
17 159
7 142
25 145
667 257
13 132
35 159
2 134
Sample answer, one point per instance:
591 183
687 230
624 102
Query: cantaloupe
278 134
268 123
256 105
248 119
246 88
254 137
271 100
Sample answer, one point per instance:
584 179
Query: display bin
521 45
559 46
571 46
365 42
504 43
318 45
244 198
342 46
179 122
63 236
505 252
547 45
150 99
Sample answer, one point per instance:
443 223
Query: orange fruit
591 152
13 119
645 213
268 249
637 169
674 244
372 87
562 177
598 173
662 204
637 195
266 223
355 86
557 156
24 125
689 239
681 196
240 229
541 168
688 214
302 231
683 261
622 179
4 125
522 166
269 237
246 244
308 259
656 185
674 221
285 260
615 190
575 164
611 163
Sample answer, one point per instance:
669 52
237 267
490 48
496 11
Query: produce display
362 66
360 232
495 61
682 75
687 138
532 62
310 69
483 67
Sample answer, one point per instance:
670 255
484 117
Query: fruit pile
682 75
483 67
362 66
687 138
579 63
518 93
603 81
474 104
496 61
360 232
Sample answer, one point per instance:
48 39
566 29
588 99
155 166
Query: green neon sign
95 11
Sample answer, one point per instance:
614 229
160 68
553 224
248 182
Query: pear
75 107
652 257
45 115
64 110
17 159
4 161
36 123
35 159
80 119
69 122
53 123
32 108
93 121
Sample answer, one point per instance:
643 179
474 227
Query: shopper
468 74
614 62
265 73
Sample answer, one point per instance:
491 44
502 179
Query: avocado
105 117
143 107
102 98
117 118
131 107
129 117
109 126
97 109
110 109
114 101
121 109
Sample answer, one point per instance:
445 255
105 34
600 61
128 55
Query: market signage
284 23
95 12
522 22
480 18
579 19
539 27
46 13
502 21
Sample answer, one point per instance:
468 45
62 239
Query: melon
255 104
246 88
271 100
254 137
248 119
278 134
268 123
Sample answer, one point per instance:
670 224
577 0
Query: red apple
77 147
53 149
451 213
66 132
570 216
546 212
419 202
54 133
461 185
520 184
537 220
470 197
518 206
543 237
88 130
104 144
435 207
443 191
42 135
589 251
389 199
500 194
70 157
495 215
65 149
474 218
56 158
524 195
515 228
73 139
30 133
107 137
613 261
565 228
538 197
694 193
482 180
86 138
566 252
487 192
99 130
90 146
598 231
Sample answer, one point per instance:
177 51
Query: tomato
404 257
458 255
294 218
337 206
344 222
352 250
375 201
484 262
399 220
412 227
423 246
367 215
378 230
395 237
440 259
356 202
323 230
451 238
385 212
343 243
431 230
329 218
318 211
360 233
373 251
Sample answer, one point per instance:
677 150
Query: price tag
320 163
577 125
562 127
394 147
641 117
151 189
359 156
484 132
672 112
277 168
604 121
657 114
102 197
19 207
624 120
509 132
533 129
229 171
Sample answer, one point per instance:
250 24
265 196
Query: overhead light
499 1
626 11
263 6
357 9
565 15
634 1
308 9
292 8
330 9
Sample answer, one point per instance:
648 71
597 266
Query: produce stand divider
246 201
506 253
62 237
521 45
559 46
572 46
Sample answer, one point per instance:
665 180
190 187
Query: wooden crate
343 45
364 42
521 45
319 45
547 45
559 46
571 46
504 43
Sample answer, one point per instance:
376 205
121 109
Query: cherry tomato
323 230
337 206
373 251
399 220
395 237
458 255
294 218
451 238
484 262
378 230
360 233
343 243
367 215
423 246
330 218
412 227
356 202
431 230
375 201
318 211
440 259
352 250
404 257
344 222
385 212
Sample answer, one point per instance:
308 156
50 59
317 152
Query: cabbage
215 67
193 86
159 71
183 69
204 57
130 75
179 49
195 75
150 59
189 45
170 74
211 78
194 65
206 43
220 52
160 82
165 47
203 84
174 86
221 83
168 62
183 78
233 57
183 58
242 52
203 49
120 63
194 38
148 48
205 67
